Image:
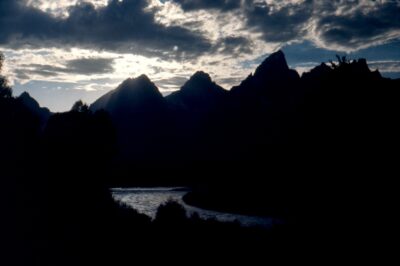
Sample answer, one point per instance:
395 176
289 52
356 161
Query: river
147 200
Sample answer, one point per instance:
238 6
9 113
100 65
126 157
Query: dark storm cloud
120 26
224 5
129 26
84 66
377 23
21 75
285 24
333 24
90 65
233 45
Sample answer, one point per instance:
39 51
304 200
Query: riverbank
244 204
148 200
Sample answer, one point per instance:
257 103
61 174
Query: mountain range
272 114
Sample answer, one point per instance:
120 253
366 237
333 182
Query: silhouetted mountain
137 95
272 83
261 109
333 125
139 113
272 90
33 106
192 109
268 113
200 95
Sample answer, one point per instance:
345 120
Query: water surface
147 200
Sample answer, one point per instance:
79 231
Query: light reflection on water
147 200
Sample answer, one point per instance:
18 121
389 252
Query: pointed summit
362 66
27 99
29 102
200 83
200 76
274 63
272 84
131 94
25 95
199 93
141 83
143 77
317 72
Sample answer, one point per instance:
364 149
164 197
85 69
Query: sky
65 50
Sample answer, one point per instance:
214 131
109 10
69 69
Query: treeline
53 190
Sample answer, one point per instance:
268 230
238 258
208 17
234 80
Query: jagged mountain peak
362 65
199 94
317 71
140 82
200 76
28 100
200 81
142 79
130 94
272 76
275 62
25 94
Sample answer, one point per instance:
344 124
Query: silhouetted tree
342 60
80 107
171 213
5 89
333 65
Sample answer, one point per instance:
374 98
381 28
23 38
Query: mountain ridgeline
273 118
276 126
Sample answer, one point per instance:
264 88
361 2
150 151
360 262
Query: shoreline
195 200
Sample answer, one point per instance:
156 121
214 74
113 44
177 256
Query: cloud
223 5
335 25
124 26
133 26
279 22
89 66
351 25
386 66
81 66
234 45
171 83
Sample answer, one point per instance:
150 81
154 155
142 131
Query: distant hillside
42 112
